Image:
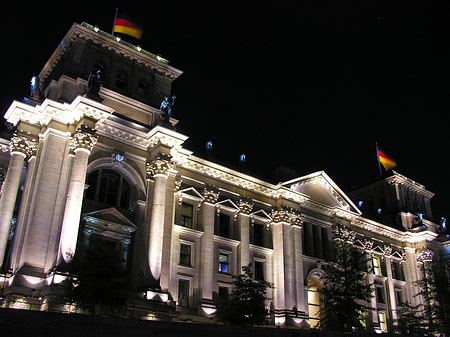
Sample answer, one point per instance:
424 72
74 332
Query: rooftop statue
94 84
166 108
35 89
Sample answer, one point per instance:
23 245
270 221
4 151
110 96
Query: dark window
223 298
142 87
397 271
223 263
121 80
187 215
108 187
258 234
185 255
259 270
380 295
183 293
224 225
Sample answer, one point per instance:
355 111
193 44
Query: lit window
223 263
187 215
382 321
360 203
379 211
376 263
185 255
183 293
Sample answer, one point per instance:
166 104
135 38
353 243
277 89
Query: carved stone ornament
159 166
344 233
83 140
425 255
286 215
246 207
23 145
210 195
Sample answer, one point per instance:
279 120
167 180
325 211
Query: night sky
311 87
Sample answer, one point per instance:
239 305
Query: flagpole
378 158
114 22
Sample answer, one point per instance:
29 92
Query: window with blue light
223 263
360 203
379 211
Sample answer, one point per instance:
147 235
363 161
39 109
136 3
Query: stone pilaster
246 208
20 148
158 169
81 144
207 250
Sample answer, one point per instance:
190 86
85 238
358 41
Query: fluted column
81 144
159 170
20 148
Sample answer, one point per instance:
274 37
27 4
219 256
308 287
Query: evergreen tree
97 277
346 293
410 320
246 304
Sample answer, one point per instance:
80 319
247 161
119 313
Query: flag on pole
385 160
128 26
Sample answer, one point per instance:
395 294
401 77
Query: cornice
400 179
90 33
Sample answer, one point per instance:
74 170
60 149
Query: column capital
210 195
424 255
245 206
23 145
83 139
287 216
159 166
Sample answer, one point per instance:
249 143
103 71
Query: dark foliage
346 294
97 277
246 304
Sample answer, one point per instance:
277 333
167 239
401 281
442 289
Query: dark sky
312 87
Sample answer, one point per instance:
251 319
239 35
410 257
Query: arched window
108 187
121 80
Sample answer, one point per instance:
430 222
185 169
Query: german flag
125 25
387 162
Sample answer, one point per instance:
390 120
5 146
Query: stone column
244 229
81 144
301 301
207 250
159 170
19 147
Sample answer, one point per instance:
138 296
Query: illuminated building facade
106 162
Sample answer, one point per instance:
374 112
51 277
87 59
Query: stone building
104 160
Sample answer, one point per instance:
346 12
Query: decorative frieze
83 140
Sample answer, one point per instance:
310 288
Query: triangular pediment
229 204
321 188
262 215
109 222
191 192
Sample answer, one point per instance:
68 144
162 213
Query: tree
435 292
410 320
97 277
246 304
346 293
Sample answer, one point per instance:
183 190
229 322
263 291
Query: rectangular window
183 293
259 270
380 294
382 321
223 263
223 297
187 215
185 255
397 271
224 225
376 263
398 297
258 234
